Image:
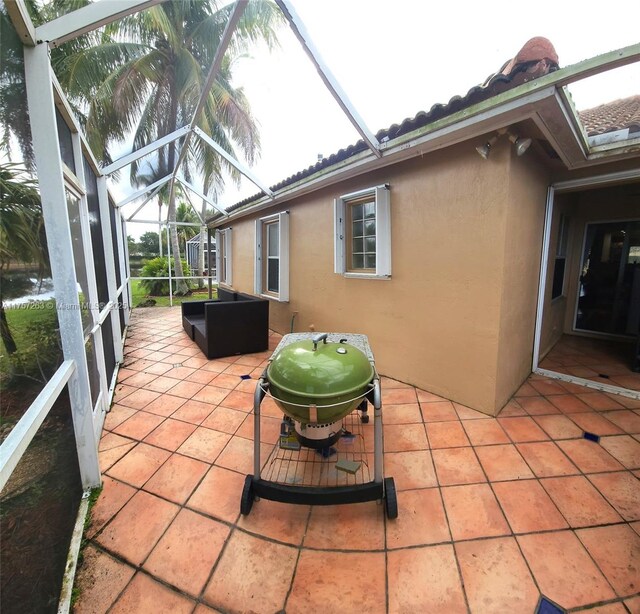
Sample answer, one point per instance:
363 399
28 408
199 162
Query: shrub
158 267
39 351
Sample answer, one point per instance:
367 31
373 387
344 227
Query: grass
139 295
21 321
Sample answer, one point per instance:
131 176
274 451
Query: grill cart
327 453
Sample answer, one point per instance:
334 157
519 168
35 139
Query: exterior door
609 289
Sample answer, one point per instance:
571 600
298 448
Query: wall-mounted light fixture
520 144
485 150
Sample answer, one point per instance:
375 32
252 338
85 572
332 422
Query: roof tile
536 59
612 116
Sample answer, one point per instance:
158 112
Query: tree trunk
181 284
203 241
5 332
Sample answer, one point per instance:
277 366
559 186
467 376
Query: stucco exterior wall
455 242
528 185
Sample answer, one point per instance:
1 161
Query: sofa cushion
199 323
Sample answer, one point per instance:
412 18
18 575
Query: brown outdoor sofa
234 323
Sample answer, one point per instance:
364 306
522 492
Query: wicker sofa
234 323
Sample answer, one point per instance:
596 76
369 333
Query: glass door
609 289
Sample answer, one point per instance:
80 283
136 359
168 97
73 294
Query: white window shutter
218 235
338 236
383 232
283 220
229 251
257 271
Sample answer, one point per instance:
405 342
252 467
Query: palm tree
22 237
170 48
185 213
67 61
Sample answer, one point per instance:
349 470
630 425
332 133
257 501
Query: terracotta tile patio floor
602 361
492 512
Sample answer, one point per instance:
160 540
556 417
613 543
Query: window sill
273 298
366 276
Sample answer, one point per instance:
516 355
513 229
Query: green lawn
139 294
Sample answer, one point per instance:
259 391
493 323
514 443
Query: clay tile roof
536 59
612 116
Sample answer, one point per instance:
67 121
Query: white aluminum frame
382 197
223 237
16 443
92 288
143 191
146 150
585 331
88 18
260 251
340 96
238 9
200 194
235 163
54 208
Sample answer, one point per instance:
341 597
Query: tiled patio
607 362
493 512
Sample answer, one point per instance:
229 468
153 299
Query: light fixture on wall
520 144
485 150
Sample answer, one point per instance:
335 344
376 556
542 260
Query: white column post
125 248
169 267
542 283
54 208
109 256
122 261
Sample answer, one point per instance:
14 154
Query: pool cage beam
200 194
143 191
235 163
332 84
144 202
89 18
95 335
147 149
50 172
214 69
107 243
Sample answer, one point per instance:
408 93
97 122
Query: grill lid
320 370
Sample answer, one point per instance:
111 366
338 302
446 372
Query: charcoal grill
324 384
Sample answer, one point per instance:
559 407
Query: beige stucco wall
603 204
525 212
454 318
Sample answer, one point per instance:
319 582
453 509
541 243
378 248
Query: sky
395 58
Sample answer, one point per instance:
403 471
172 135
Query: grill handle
318 338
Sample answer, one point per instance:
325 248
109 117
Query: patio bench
234 323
